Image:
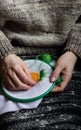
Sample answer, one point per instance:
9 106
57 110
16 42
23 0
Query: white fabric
7 105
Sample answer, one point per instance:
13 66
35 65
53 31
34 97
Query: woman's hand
64 67
15 74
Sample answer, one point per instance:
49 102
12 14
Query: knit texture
58 111
37 26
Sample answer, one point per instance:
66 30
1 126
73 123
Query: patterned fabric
38 26
58 111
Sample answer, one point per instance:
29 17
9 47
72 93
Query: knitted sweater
38 26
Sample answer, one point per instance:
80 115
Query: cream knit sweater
37 26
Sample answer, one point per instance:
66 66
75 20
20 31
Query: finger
65 80
62 85
18 84
56 88
9 84
55 73
27 72
23 77
59 88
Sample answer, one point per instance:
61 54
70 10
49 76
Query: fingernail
53 79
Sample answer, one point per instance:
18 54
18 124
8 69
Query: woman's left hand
64 67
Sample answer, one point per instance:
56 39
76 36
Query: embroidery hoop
11 96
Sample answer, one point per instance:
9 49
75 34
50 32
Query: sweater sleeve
5 47
74 40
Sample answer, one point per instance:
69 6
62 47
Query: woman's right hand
15 74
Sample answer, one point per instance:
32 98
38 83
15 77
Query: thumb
56 73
